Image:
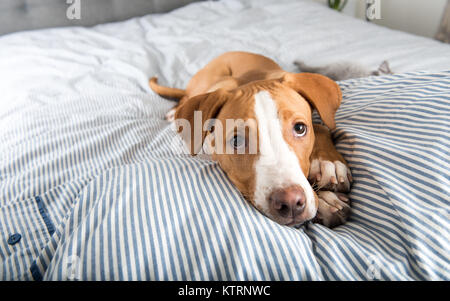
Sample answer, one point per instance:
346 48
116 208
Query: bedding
95 184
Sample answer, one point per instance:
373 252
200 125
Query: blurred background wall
414 16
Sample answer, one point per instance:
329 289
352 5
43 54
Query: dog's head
262 136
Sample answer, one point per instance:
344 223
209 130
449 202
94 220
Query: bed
95 185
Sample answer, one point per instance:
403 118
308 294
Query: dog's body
276 108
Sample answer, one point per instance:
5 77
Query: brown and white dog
292 155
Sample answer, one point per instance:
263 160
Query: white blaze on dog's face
282 190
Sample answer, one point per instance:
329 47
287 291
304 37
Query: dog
295 174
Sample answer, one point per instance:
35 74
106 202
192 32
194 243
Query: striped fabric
98 188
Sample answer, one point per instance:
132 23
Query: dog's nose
288 202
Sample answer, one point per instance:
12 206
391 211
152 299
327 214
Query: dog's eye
237 141
299 129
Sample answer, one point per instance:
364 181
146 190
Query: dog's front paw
334 208
328 175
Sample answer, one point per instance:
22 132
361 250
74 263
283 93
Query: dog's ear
190 117
320 91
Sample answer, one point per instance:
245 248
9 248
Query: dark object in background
337 4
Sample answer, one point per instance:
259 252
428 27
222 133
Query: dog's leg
328 170
331 178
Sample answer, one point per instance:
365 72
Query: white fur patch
277 166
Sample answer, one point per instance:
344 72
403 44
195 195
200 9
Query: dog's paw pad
334 208
327 175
